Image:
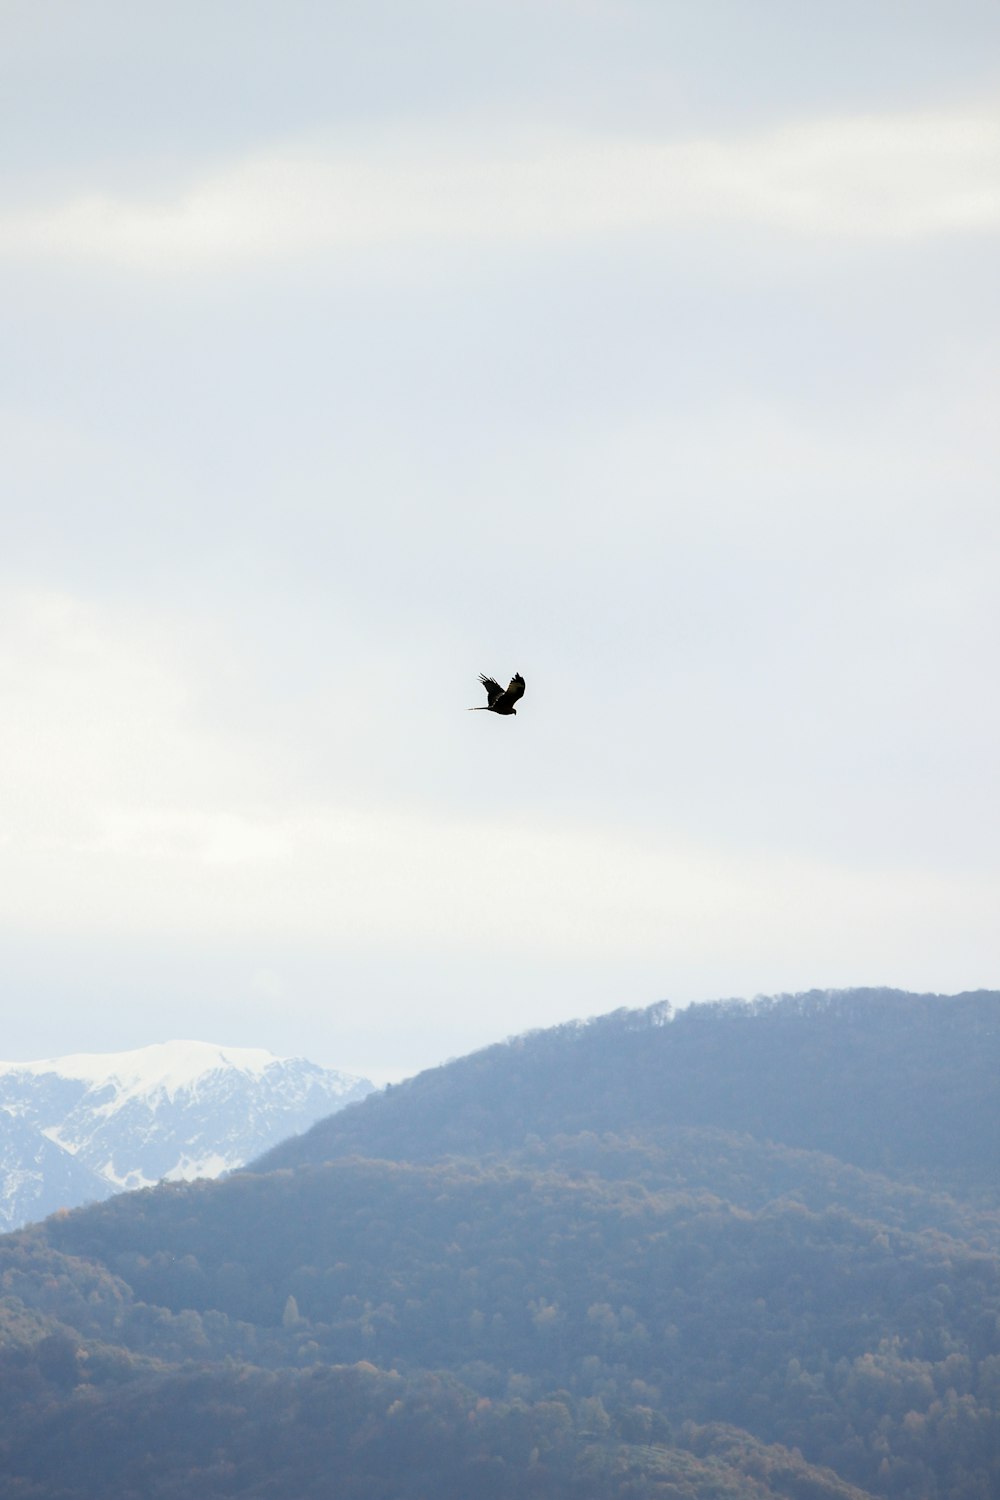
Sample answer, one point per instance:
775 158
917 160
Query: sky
649 349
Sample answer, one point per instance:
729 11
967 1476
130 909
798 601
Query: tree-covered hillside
900 1083
359 1433
639 1278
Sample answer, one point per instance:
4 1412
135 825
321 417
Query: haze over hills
77 1129
749 1251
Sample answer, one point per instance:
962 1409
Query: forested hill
751 1252
900 1083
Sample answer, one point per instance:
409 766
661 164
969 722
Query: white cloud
868 178
123 813
392 879
126 819
101 707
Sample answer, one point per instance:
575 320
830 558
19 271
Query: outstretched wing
493 689
504 704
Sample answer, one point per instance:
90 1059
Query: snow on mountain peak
77 1127
162 1068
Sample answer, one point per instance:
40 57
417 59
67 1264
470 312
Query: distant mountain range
746 1252
77 1129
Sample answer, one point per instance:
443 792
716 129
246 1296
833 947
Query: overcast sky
646 347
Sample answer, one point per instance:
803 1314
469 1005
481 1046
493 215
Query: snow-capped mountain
75 1129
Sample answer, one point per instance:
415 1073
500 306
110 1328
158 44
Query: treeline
891 1082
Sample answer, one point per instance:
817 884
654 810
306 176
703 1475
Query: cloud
102 707
391 879
872 178
131 815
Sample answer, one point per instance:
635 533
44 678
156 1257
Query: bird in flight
500 700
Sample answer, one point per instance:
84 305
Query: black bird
501 700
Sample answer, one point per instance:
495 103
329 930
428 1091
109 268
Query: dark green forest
750 1250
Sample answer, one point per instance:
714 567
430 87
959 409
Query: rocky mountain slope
77 1129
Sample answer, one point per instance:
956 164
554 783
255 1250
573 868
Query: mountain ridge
81 1126
822 1070
581 1262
